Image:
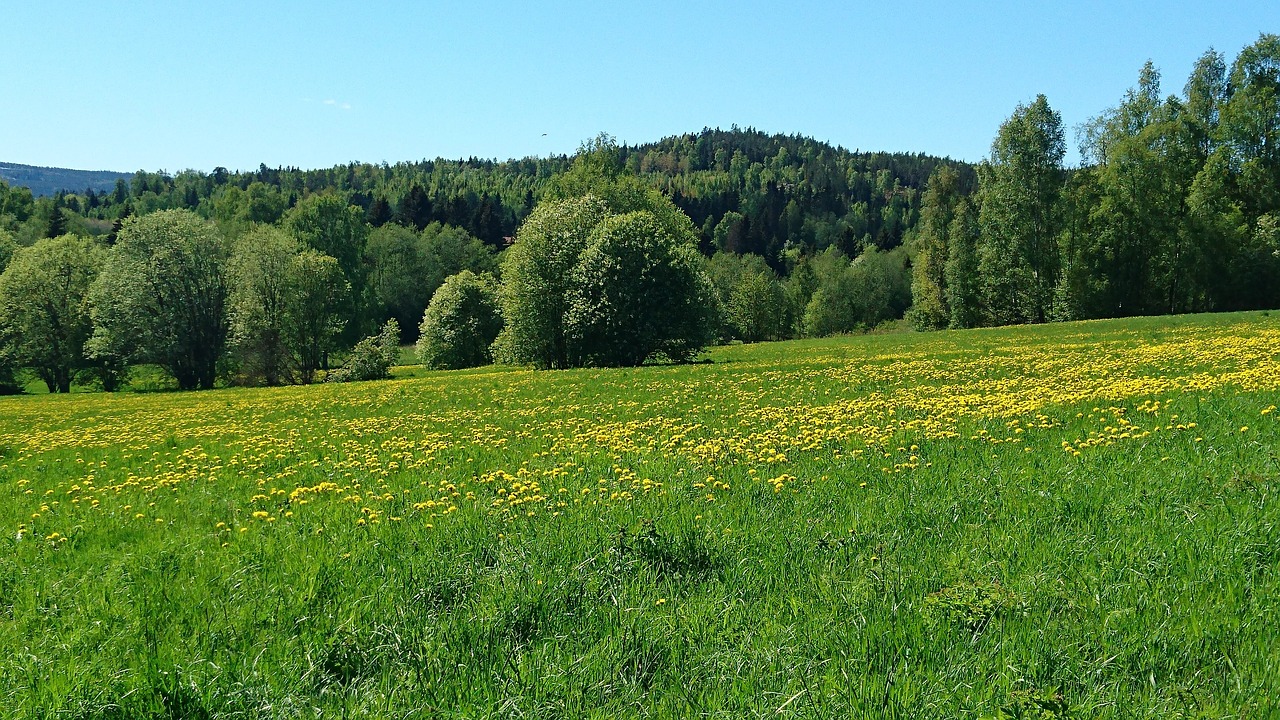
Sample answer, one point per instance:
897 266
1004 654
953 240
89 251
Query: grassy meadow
1076 520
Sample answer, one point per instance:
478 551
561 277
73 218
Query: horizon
310 86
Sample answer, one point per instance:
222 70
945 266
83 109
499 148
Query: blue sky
175 85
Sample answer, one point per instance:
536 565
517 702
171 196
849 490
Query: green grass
1056 521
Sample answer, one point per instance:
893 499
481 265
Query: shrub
372 357
590 282
638 291
461 323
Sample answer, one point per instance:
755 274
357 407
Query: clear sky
174 85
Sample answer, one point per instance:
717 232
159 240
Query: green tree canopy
1021 217
536 280
1131 251
406 267
372 358
286 305
261 295
259 204
161 297
757 308
858 295
7 248
329 224
402 275
753 301
963 288
461 323
637 291
319 292
16 205
930 308
580 276
44 313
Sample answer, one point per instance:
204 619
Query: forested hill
748 191
751 192
43 181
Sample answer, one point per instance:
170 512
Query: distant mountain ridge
43 181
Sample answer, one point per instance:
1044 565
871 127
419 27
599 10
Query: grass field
1075 520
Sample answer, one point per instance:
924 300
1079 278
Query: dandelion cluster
517 444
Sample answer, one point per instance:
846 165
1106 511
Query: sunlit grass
944 525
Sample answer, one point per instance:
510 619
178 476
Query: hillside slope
44 181
748 191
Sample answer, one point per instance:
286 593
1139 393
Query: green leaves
286 307
161 297
1021 216
858 295
605 282
635 292
329 224
535 277
461 322
372 357
930 302
44 313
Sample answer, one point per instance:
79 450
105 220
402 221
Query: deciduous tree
261 296
536 280
637 291
316 321
461 323
964 286
930 308
329 224
1020 216
44 313
161 297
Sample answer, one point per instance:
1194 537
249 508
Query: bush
461 323
638 291
535 278
372 357
605 282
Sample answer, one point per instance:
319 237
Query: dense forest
774 189
1175 209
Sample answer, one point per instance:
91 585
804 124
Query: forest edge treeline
1176 209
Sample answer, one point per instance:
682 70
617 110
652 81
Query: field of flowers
1076 520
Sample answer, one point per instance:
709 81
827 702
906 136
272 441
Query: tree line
1176 209
605 271
746 192
620 254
